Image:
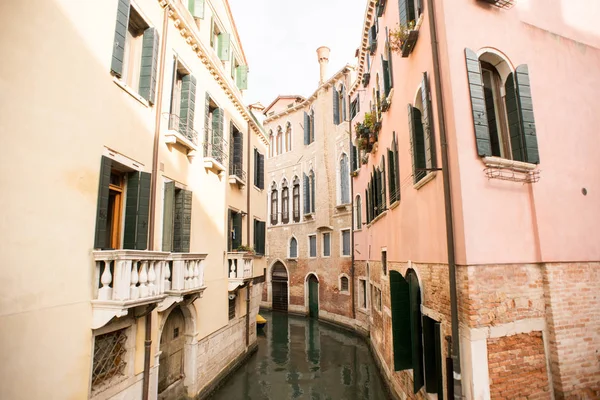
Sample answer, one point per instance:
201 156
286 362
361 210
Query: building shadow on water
301 358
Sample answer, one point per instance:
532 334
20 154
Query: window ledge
498 162
213 165
292 258
344 292
309 215
424 181
130 91
377 218
394 205
363 310
234 179
342 206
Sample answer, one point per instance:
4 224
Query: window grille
344 284
109 356
232 308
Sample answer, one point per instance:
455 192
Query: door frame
306 292
270 282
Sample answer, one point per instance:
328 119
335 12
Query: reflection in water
299 358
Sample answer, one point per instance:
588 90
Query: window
344 181
376 298
271 144
293 248
285 203
355 106
432 355
339 105
309 127
376 198
231 308
344 284
354 157
504 123
384 261
421 134
410 10
259 170
296 199
346 242
183 95
288 137
236 154
393 171
309 193
214 139
196 8
109 356
326 244
312 246
177 219
362 287
118 181
279 140
220 42
386 66
274 192
357 213
259 237
135 52
235 230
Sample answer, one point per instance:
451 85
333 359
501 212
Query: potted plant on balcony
385 105
402 39
245 249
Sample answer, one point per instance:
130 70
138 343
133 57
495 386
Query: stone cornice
188 30
370 13
326 85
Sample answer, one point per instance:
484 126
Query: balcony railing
239 267
500 3
174 123
215 148
131 278
237 172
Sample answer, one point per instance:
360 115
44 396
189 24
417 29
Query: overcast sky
281 37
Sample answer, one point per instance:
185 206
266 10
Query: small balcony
179 132
237 175
239 267
215 155
124 279
506 4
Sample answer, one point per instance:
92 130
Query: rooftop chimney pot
323 56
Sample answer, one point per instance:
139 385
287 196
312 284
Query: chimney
323 55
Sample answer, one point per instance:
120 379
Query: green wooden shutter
429 355
407 11
401 336
480 121
367 205
396 168
137 210
255 169
256 235
306 128
242 77
353 158
391 178
260 247
438 361
118 56
261 171
217 134
212 32
521 122
306 195
100 240
149 67
386 76
416 331
168 216
188 101
417 143
389 58
383 183
430 157
313 193
182 223
224 46
312 126
336 106
206 118
196 8
344 101
237 230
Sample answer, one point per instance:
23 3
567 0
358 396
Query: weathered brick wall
573 317
498 294
517 367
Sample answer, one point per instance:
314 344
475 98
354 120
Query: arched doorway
172 341
279 287
313 296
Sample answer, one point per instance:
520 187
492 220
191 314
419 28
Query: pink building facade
515 87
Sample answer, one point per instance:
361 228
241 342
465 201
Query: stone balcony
124 279
240 266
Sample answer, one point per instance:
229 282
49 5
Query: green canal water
300 358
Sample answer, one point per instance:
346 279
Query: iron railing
238 171
214 147
109 356
500 3
177 124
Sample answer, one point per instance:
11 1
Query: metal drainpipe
447 203
248 235
248 286
352 294
153 184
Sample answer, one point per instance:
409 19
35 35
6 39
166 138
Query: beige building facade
136 199
307 179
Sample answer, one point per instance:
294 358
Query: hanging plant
402 38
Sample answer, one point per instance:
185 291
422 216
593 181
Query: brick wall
573 317
517 367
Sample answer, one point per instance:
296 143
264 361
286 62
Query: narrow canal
300 358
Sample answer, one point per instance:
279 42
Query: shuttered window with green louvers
259 237
118 57
407 12
236 153
343 100
306 195
217 141
224 46
188 102
149 66
336 106
259 170
137 211
241 79
427 123
235 232
417 143
196 8
401 327
416 330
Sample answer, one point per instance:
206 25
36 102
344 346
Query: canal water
300 358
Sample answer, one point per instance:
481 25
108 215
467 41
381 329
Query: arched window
309 192
285 202
271 143
344 182
288 137
279 141
342 93
344 286
296 199
293 247
421 133
274 204
358 213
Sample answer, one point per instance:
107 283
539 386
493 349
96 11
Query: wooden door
280 296
172 341
313 297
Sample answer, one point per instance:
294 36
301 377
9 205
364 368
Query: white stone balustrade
131 278
239 267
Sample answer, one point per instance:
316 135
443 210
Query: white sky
281 37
